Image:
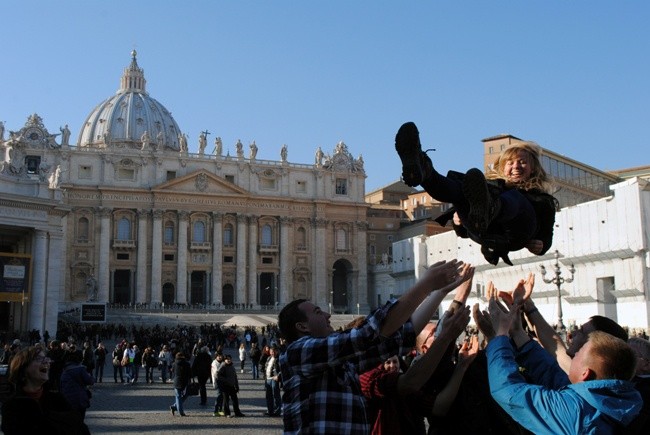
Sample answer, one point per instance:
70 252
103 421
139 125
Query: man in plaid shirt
319 369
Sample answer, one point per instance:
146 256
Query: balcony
123 244
267 249
200 246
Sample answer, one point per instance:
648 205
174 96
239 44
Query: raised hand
468 351
483 322
465 288
455 322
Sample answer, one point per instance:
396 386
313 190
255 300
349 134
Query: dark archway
197 287
122 286
228 297
168 293
267 288
340 292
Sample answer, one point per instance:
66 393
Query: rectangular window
341 186
171 175
126 174
122 256
85 171
230 179
301 186
168 257
268 184
228 259
267 260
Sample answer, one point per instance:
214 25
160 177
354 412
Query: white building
607 241
127 215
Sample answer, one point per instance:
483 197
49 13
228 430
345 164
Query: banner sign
93 313
15 274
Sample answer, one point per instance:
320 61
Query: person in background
33 409
149 362
137 363
214 370
165 361
242 356
255 355
229 385
100 361
272 384
182 376
88 357
56 355
117 362
75 381
201 369
127 362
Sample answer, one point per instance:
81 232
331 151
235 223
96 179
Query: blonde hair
615 358
539 179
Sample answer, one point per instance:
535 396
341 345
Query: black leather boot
416 165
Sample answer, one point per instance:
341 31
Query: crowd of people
511 374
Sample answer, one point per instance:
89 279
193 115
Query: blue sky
572 76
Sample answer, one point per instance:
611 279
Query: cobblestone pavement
144 409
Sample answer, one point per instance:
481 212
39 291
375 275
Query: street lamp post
558 280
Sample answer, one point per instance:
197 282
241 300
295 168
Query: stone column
252 260
55 282
286 246
217 257
360 245
141 285
156 257
103 278
181 267
240 292
320 284
37 307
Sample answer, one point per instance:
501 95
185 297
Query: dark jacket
182 373
227 376
507 238
74 382
51 415
201 366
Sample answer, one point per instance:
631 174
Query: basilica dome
130 117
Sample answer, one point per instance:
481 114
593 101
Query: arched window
82 229
267 235
124 229
169 233
198 234
227 235
341 239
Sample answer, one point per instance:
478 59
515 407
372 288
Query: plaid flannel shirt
320 378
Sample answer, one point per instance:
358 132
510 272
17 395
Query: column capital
183 215
104 212
362 225
242 219
157 213
319 222
286 220
143 213
253 219
217 216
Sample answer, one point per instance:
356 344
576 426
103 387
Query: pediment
200 182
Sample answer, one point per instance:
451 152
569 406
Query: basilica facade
128 215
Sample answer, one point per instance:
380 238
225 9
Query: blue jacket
551 404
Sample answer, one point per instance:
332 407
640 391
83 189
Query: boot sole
476 192
407 144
